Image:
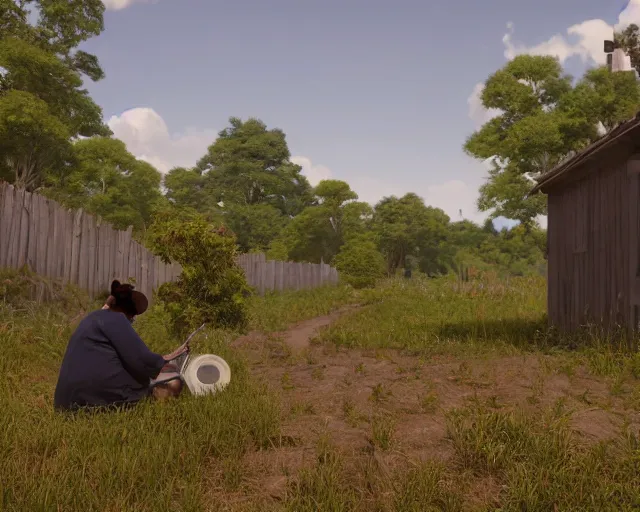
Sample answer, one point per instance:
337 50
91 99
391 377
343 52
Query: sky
380 94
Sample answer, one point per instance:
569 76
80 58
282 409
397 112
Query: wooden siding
589 252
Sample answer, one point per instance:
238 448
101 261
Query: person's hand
110 300
182 349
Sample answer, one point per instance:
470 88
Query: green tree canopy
62 25
407 227
33 142
319 232
249 164
110 182
541 120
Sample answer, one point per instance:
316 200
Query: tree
407 227
186 188
519 251
360 263
249 164
61 27
43 105
605 97
255 226
110 182
44 75
318 233
32 140
541 121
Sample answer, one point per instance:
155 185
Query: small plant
429 401
360 263
302 408
350 412
382 431
286 381
379 393
317 373
211 287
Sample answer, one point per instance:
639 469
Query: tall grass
444 315
173 455
540 465
276 312
158 456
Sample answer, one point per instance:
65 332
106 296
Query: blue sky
376 93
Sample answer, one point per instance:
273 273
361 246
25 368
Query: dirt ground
342 393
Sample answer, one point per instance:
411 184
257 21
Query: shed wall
588 249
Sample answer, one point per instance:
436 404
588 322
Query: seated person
107 364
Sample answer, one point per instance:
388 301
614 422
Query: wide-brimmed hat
125 296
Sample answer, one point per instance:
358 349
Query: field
420 395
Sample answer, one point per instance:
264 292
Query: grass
276 312
192 454
444 316
154 457
540 465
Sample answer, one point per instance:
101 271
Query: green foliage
278 251
185 188
249 164
541 120
360 263
110 182
42 106
45 75
318 233
407 227
211 287
33 142
61 27
255 226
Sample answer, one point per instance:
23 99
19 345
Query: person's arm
132 350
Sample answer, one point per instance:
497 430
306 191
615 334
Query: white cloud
314 173
583 40
148 138
588 38
117 5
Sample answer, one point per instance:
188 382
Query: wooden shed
593 233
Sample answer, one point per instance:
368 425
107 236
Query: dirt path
393 407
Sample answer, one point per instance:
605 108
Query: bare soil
340 393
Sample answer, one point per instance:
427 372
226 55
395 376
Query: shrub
360 263
211 287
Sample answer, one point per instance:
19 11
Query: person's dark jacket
105 364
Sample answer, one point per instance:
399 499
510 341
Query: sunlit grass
172 455
157 456
276 312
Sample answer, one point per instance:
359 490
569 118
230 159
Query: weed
286 381
429 401
379 393
382 430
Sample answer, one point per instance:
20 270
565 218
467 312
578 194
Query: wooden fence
269 275
75 247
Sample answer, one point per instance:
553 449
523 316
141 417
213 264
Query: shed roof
576 161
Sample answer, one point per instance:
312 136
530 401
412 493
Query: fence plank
86 251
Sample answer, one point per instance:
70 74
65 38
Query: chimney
617 59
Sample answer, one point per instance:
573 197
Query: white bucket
206 373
